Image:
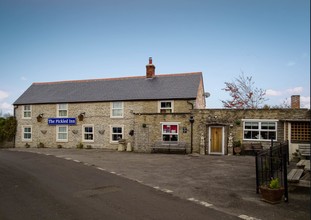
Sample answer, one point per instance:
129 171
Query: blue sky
43 41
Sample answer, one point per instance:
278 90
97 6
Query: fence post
271 161
257 173
285 175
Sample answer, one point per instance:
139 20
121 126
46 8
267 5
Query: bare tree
244 94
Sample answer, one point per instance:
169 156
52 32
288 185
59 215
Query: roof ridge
115 78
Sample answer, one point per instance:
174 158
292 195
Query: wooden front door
216 144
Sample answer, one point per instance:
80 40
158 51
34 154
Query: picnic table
304 164
300 176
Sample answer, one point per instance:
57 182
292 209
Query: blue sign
62 121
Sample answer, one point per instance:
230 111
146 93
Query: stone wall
96 114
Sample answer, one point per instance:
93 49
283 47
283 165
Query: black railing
272 163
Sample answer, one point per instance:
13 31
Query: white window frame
91 133
111 132
23 132
112 108
171 133
259 130
24 111
57 133
166 108
62 109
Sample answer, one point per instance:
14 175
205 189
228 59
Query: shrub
80 145
274 183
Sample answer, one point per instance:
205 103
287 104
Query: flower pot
271 196
237 150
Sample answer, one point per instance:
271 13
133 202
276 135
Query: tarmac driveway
225 183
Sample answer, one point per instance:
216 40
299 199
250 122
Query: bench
294 175
251 148
304 150
169 146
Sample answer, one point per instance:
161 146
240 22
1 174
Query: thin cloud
271 92
3 95
291 63
23 78
296 90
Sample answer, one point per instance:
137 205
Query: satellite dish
206 94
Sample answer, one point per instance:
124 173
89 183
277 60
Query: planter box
272 196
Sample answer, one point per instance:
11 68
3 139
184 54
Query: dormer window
166 107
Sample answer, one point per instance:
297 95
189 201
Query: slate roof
161 87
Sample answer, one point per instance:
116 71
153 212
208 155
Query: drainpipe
191 120
14 115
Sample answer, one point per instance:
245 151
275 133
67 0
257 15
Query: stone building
98 113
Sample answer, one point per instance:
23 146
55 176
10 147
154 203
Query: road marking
113 172
76 161
68 158
59 156
248 217
48 154
156 187
99 168
167 190
206 204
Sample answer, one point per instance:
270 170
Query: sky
55 40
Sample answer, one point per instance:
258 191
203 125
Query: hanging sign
62 121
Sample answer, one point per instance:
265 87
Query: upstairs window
166 106
27 111
116 110
62 110
170 131
259 130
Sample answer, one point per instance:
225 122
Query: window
166 106
26 133
170 132
116 133
62 110
62 133
116 109
260 130
300 131
88 133
27 111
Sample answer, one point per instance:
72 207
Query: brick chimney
150 69
295 101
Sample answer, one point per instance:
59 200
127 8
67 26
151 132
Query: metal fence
272 163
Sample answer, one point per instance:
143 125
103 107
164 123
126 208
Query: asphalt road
36 186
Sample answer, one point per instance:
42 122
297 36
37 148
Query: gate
272 163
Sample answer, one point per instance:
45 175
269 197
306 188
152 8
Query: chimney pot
150 69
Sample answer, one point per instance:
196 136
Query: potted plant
273 192
237 147
39 118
